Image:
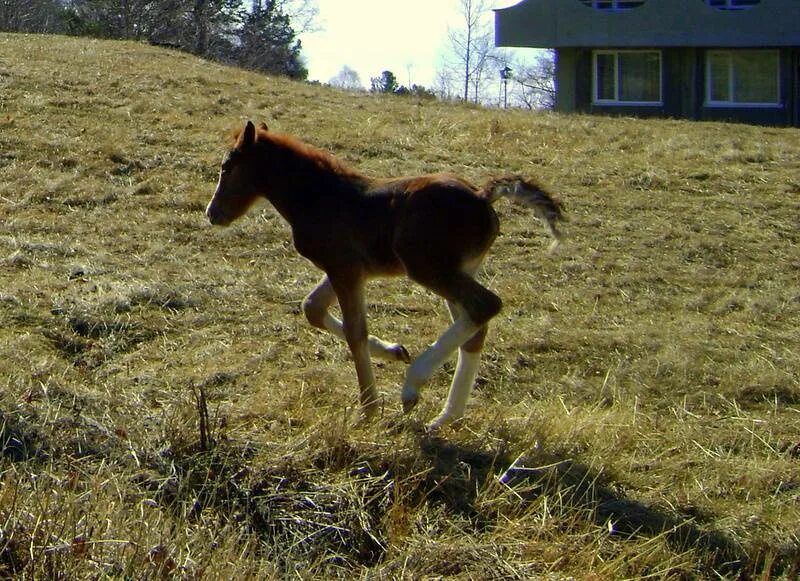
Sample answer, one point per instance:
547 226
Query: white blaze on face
210 209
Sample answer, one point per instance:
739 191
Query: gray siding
570 23
683 89
682 29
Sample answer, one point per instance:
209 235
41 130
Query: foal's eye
228 162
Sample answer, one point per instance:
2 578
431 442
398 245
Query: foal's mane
307 155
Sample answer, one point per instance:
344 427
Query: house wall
574 85
566 68
796 90
570 23
683 89
784 115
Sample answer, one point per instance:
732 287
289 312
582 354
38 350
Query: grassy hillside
165 411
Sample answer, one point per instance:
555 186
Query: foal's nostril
215 216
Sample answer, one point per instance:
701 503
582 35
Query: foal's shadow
461 471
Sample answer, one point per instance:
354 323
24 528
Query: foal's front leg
315 307
350 292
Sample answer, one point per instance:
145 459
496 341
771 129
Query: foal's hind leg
475 306
315 307
469 357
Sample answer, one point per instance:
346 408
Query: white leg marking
434 357
460 389
321 298
333 325
377 347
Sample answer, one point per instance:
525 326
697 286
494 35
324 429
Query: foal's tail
527 192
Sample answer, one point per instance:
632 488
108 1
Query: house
733 60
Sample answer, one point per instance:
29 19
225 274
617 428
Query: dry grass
638 413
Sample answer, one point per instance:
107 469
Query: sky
407 37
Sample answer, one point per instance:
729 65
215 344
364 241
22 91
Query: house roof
573 23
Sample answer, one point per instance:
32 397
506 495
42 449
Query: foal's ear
248 136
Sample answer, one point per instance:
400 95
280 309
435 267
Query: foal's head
239 183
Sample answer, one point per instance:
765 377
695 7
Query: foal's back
440 220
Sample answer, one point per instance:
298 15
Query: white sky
407 37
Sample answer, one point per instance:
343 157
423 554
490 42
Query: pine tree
267 42
386 83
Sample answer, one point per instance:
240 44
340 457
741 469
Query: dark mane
307 154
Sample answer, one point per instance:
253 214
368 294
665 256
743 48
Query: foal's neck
308 181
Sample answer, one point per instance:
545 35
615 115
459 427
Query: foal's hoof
436 424
363 420
371 410
410 403
442 421
401 353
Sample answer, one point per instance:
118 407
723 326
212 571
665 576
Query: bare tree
472 45
536 81
347 79
443 84
304 15
30 16
200 18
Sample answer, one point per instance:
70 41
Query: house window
627 77
743 78
613 5
732 4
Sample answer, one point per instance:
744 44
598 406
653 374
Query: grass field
166 411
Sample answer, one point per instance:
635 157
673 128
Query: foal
435 229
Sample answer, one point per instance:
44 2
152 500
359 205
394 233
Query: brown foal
434 229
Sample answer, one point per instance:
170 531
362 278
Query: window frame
732 4
708 102
613 5
616 102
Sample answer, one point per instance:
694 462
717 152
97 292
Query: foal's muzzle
216 216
